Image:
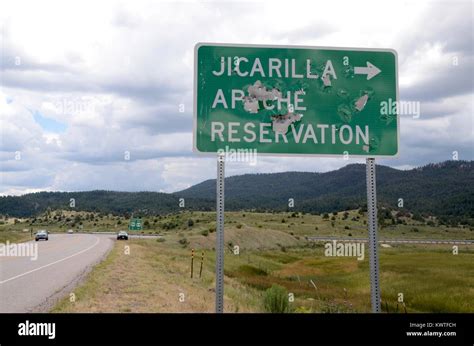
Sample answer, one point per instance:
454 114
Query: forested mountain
121 203
439 189
443 189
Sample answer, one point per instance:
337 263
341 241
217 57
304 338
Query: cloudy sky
86 83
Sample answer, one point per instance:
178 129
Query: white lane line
50 264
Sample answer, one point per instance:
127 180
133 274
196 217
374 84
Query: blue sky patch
48 124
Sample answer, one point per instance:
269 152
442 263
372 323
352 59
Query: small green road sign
135 224
290 100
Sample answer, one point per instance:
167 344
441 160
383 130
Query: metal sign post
373 238
220 234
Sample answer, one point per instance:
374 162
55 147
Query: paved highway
32 285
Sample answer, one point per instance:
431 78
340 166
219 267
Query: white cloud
115 74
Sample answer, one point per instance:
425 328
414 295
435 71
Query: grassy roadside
14 236
155 276
152 276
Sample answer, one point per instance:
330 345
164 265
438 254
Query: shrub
205 233
190 223
183 241
239 226
169 225
275 299
283 221
418 217
347 227
160 240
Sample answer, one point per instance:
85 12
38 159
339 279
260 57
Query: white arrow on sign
371 71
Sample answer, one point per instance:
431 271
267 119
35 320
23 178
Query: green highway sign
291 100
135 224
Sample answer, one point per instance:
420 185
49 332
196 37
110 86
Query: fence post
202 260
192 262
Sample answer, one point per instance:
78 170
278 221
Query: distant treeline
445 190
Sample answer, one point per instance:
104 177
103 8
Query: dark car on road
122 235
41 235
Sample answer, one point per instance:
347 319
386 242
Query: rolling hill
439 189
442 189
